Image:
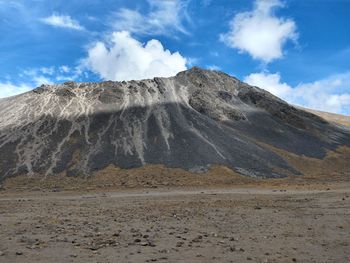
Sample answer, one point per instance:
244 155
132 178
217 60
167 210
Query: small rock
31 247
19 253
179 244
197 239
151 244
2 253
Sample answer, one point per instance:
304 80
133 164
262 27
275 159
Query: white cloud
64 69
40 80
50 75
9 89
331 94
47 70
259 32
35 77
126 58
269 82
39 76
64 21
213 67
164 17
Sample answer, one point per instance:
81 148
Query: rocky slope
193 120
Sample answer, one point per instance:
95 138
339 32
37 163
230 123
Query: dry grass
334 168
149 176
317 174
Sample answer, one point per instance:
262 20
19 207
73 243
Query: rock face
193 120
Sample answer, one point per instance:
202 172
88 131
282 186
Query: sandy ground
177 225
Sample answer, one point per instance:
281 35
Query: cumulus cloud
164 17
330 94
63 21
9 89
269 82
259 32
125 58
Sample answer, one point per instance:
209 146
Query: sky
298 50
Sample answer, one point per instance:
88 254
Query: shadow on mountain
171 134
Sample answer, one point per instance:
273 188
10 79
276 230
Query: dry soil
177 225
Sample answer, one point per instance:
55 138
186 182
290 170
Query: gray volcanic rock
193 120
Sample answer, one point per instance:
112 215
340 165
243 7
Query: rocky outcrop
193 120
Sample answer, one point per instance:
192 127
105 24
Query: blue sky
298 50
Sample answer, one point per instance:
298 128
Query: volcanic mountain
194 120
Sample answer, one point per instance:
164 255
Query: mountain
194 120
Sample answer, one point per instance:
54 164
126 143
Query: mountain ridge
193 120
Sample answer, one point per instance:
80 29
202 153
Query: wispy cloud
206 3
328 94
213 67
163 18
63 21
259 32
8 89
126 58
53 74
34 77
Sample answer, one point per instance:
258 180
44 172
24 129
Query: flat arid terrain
177 225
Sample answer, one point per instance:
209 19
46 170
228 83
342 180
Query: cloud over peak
259 32
63 21
125 58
